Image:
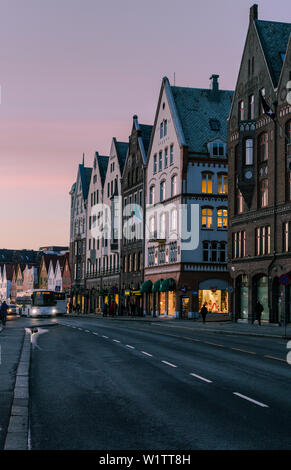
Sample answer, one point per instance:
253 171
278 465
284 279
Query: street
107 384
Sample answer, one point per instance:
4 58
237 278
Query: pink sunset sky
74 72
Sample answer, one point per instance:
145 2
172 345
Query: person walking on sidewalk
259 310
3 312
204 312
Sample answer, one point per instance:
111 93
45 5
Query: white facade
163 188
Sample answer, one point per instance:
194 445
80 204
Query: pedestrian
70 307
204 312
104 309
112 308
259 310
3 312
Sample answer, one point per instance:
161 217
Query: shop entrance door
185 305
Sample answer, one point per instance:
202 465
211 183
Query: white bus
42 302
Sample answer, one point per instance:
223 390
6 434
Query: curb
150 320
17 435
237 333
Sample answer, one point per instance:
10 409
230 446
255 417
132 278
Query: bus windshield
42 299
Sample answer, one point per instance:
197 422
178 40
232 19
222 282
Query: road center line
169 364
243 350
147 354
192 339
201 378
214 344
276 358
251 400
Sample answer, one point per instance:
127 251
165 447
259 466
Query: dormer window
217 149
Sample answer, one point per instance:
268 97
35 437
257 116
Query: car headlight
9 310
54 310
34 310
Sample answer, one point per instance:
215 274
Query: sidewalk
11 341
213 324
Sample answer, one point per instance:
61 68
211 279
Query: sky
74 72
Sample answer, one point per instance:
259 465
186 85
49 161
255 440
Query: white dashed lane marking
147 354
116 341
251 400
169 364
201 378
128 346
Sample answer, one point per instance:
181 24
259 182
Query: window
239 244
239 199
222 252
162 190
165 127
241 110
249 152
263 240
162 233
218 149
173 220
171 154
222 184
152 226
206 251
286 236
263 93
161 130
174 185
263 147
207 183
152 195
166 158
207 217
160 161
264 193
222 218
155 164
252 107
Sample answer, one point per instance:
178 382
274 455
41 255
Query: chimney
214 87
254 13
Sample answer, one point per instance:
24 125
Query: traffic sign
285 280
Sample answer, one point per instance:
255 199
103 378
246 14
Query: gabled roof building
186 202
259 144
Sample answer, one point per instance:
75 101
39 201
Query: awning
146 287
157 286
168 285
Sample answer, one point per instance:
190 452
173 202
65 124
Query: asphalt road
117 385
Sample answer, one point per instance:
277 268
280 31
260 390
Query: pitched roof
146 132
274 37
121 149
85 175
103 164
197 110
